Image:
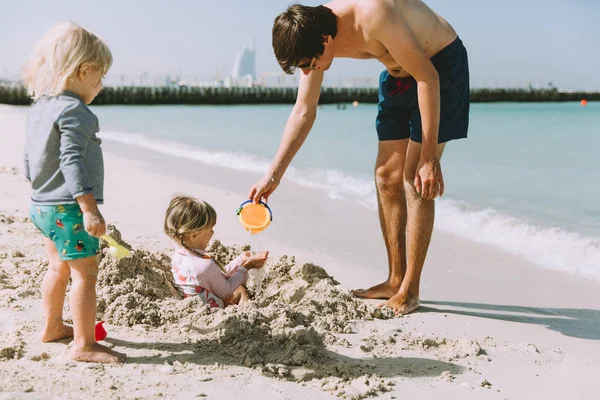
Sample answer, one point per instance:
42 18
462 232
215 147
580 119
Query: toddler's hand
94 223
255 261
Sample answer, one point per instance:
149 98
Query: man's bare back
431 31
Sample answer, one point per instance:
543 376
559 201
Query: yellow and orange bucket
254 217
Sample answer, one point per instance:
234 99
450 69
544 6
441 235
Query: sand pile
295 312
132 290
138 290
135 290
283 330
305 289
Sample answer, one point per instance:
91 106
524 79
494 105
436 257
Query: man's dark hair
299 34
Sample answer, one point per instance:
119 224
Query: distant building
244 68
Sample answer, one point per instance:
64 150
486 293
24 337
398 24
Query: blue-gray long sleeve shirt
63 158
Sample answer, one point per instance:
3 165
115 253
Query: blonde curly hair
59 55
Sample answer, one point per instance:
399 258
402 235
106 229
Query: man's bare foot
382 291
402 303
97 353
56 332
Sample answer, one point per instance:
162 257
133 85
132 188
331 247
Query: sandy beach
492 325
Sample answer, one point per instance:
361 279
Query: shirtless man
423 103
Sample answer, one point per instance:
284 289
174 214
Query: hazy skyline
510 42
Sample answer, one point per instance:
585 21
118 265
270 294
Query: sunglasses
308 66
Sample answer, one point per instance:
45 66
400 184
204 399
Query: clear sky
510 42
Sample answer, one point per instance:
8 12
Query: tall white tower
245 64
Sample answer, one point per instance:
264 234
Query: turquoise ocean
525 181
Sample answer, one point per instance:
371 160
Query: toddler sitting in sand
189 222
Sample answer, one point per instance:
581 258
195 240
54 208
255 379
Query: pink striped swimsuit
199 275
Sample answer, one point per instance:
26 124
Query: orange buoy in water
355 103
584 102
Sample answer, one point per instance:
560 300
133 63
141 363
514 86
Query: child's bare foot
56 332
382 291
243 295
97 353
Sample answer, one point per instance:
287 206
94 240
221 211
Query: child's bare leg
84 272
239 296
54 287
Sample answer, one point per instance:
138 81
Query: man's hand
94 223
263 189
429 181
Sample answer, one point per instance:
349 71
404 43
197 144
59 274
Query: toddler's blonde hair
186 214
59 55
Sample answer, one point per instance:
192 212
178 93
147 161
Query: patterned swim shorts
63 224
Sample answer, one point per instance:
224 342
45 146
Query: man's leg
419 228
389 182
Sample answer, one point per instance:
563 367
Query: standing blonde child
190 222
64 163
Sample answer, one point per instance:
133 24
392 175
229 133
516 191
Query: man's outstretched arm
296 130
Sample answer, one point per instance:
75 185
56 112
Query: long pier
154 95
